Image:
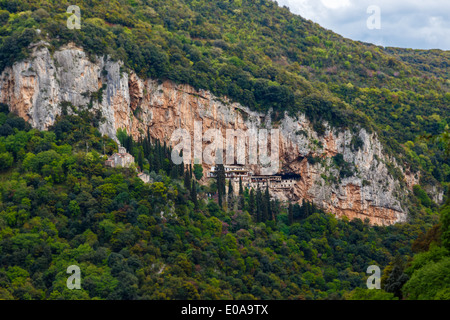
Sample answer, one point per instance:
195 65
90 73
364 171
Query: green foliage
431 282
274 61
445 226
369 294
155 241
312 160
394 278
346 169
6 160
422 196
435 254
59 205
429 270
356 143
198 171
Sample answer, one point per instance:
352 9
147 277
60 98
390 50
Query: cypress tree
164 153
187 181
241 203
174 172
156 157
145 147
313 208
194 194
181 165
220 176
290 214
230 188
266 211
251 203
140 159
170 164
241 189
259 205
220 195
304 210
275 207
128 143
230 195
161 157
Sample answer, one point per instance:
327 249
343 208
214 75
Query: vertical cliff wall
35 89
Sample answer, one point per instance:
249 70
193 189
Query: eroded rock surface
35 89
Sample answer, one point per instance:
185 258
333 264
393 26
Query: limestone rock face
35 89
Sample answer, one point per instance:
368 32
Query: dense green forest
61 206
168 239
263 56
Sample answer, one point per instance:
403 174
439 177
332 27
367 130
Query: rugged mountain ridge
35 89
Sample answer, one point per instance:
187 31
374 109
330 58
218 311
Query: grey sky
417 24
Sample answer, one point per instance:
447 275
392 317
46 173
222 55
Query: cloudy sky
418 24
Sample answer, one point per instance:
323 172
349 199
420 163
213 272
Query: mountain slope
350 115
346 172
60 206
263 57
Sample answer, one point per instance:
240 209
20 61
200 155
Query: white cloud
404 23
335 4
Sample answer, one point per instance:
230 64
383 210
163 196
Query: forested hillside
262 56
166 240
60 205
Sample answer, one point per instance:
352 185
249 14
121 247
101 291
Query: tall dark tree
266 209
241 203
290 214
220 197
221 182
396 278
155 158
194 194
162 155
251 203
174 172
313 208
140 159
230 195
230 188
129 143
259 205
241 189
187 180
305 209
181 165
275 207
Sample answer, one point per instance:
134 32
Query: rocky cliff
35 89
